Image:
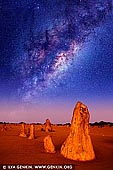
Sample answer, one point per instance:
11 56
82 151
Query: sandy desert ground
19 150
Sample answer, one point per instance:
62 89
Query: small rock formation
23 134
48 127
78 145
4 127
48 145
32 132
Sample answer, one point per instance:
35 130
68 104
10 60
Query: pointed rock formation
48 145
23 134
48 127
78 145
32 132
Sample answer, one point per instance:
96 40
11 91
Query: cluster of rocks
4 127
47 126
78 145
31 131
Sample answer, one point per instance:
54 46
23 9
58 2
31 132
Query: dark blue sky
52 54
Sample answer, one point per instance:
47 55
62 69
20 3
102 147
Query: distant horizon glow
57 113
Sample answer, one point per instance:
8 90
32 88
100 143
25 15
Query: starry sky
54 53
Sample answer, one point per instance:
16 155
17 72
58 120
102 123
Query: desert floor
19 150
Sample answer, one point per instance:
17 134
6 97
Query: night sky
54 53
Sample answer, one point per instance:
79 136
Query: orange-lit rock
48 127
48 145
78 145
32 132
22 133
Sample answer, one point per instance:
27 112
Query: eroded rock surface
78 145
22 133
32 132
48 145
48 127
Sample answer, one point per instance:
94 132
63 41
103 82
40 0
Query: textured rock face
48 145
78 145
23 134
32 132
48 127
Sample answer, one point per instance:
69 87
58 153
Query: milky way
54 53
50 52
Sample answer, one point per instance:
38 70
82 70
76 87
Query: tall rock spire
78 145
